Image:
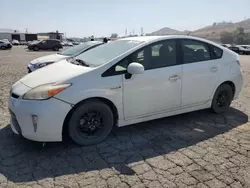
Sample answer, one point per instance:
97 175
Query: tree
240 37
226 37
114 35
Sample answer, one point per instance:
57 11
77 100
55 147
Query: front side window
44 41
154 56
137 57
194 51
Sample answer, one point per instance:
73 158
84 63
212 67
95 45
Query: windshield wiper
81 62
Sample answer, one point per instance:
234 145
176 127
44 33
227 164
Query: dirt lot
197 149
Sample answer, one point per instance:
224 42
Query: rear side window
195 51
234 48
216 52
53 41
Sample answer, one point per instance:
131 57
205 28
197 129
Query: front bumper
50 118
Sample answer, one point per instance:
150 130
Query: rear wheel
3 47
90 123
222 98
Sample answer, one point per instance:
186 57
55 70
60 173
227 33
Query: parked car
240 50
70 52
31 42
226 45
66 43
48 44
15 42
76 43
5 45
245 46
23 42
123 82
5 40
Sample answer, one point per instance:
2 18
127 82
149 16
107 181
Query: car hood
48 58
57 72
31 43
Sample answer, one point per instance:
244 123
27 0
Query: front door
156 90
200 71
43 44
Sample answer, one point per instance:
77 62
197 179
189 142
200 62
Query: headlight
43 64
43 92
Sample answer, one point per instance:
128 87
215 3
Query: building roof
17 33
47 33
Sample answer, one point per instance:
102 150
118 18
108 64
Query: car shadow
24 161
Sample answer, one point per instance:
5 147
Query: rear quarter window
216 52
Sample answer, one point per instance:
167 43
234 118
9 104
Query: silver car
70 52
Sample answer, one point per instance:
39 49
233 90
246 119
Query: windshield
79 48
105 53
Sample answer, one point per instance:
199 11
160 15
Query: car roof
159 38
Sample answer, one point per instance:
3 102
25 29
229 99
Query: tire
36 48
55 48
83 130
3 47
222 99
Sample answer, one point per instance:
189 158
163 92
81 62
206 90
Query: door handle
174 78
214 69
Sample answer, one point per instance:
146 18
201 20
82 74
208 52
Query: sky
81 18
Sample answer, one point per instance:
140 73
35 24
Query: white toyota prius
126 81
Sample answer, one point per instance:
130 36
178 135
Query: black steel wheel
90 123
222 98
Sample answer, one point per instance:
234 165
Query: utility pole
141 31
126 32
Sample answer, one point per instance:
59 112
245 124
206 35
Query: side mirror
135 68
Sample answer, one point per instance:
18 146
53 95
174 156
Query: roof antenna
189 32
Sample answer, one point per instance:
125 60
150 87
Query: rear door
201 70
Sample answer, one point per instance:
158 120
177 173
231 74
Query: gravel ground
198 149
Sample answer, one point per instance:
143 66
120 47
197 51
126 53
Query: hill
167 31
211 32
217 28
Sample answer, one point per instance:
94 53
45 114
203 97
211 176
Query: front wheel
90 123
36 48
222 99
55 48
3 47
